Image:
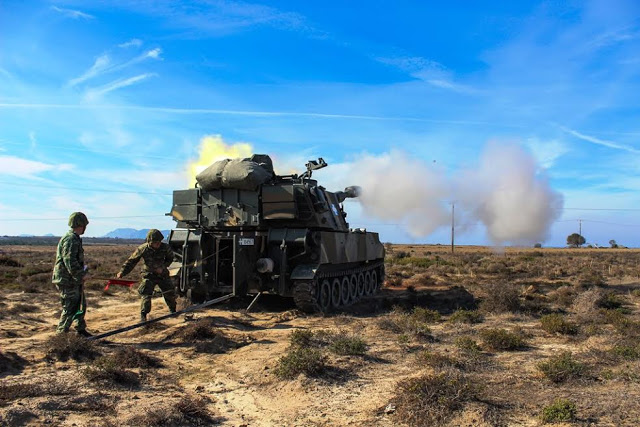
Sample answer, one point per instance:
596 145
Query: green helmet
154 236
78 219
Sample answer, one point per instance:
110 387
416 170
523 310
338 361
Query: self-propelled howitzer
245 230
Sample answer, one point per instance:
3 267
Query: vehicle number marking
246 241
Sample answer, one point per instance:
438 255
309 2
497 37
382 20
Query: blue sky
103 105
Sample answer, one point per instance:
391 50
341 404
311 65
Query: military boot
85 333
143 317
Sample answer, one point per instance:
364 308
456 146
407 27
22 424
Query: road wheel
353 287
335 293
344 291
324 297
368 285
360 285
375 285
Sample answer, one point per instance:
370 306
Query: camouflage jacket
68 269
153 259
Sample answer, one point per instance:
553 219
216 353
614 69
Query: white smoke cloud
507 192
397 187
510 195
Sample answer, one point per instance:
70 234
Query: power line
95 190
92 218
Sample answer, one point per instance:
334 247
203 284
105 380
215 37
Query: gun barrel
348 193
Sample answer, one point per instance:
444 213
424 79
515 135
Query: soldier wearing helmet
69 274
157 257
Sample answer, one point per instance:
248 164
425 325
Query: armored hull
288 236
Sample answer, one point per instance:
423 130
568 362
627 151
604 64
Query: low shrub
189 410
626 351
198 330
559 411
467 345
610 301
305 360
432 399
557 324
590 277
501 339
436 360
301 337
129 357
562 368
424 315
563 296
501 298
108 369
9 262
9 392
409 324
348 346
70 345
466 316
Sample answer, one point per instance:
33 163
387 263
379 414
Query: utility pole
580 227
453 209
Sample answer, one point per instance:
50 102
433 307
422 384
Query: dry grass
595 291
20 390
501 298
563 367
187 411
70 345
111 371
557 324
432 399
502 340
301 360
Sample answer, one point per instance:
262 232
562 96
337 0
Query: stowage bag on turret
211 177
240 174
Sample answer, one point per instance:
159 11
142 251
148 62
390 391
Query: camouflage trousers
74 306
146 288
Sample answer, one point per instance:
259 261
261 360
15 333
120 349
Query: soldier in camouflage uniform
69 275
157 257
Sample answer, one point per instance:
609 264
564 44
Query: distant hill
131 233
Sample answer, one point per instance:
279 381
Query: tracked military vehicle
245 230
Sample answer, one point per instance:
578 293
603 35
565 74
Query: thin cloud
101 64
252 113
23 168
598 141
131 43
546 152
430 72
70 13
117 84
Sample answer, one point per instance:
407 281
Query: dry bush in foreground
188 411
501 339
206 337
9 392
129 357
432 399
466 316
301 360
501 298
557 324
436 360
70 345
415 323
109 370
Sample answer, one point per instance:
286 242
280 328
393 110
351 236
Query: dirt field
521 337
